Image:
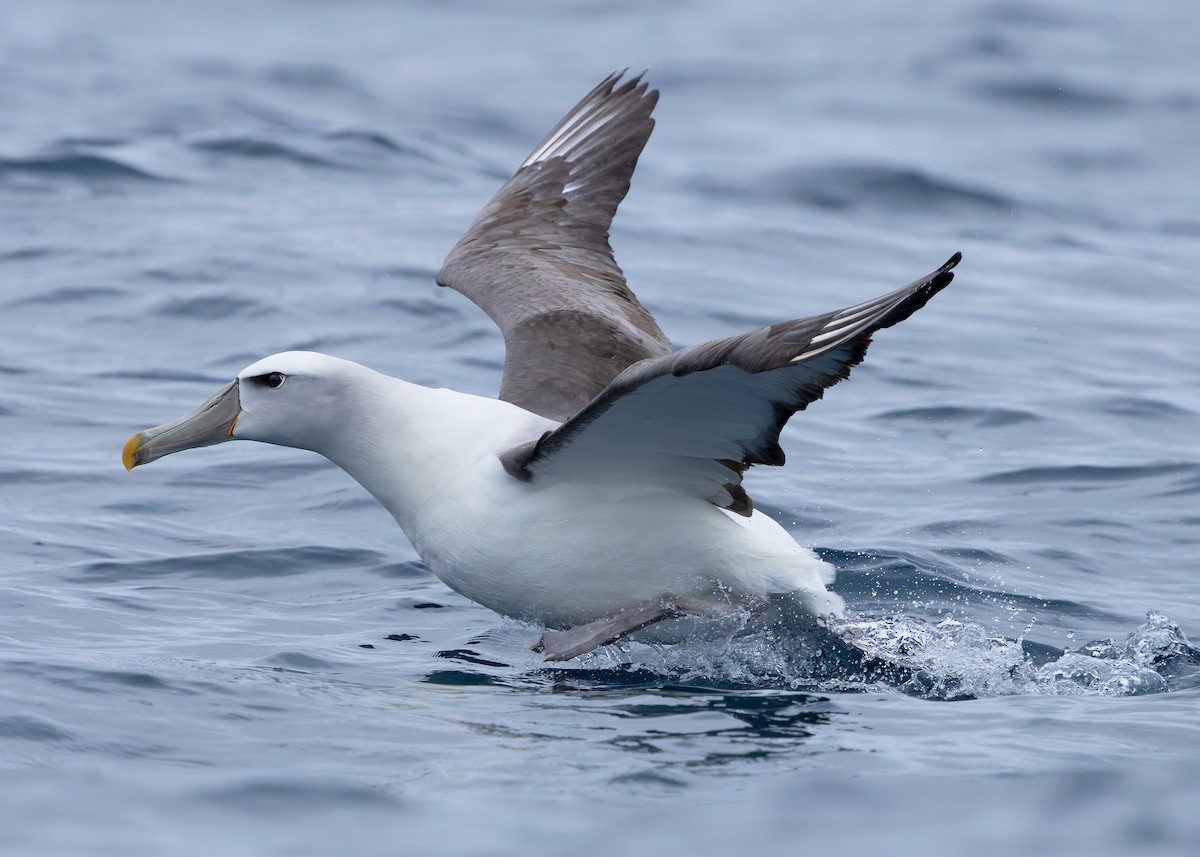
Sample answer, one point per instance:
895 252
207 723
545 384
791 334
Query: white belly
567 554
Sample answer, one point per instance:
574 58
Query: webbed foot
581 639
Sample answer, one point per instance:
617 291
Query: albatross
601 495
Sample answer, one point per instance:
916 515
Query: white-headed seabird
602 492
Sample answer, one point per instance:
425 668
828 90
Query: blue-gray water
234 651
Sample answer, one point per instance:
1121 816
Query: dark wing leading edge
693 421
537 258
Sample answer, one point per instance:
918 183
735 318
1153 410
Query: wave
953 660
974 417
28 254
837 188
376 140
212 307
1089 474
26 728
878 580
67 295
278 797
105 680
257 148
79 165
298 661
1142 408
167 275
231 564
312 76
1050 93
942 660
462 678
156 373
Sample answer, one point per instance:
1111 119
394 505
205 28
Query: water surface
235 651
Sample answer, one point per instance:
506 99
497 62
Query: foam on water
946 660
952 659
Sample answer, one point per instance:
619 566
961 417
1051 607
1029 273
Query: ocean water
234 651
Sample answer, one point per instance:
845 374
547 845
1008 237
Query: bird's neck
406 443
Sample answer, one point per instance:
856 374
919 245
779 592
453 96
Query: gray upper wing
537 258
692 422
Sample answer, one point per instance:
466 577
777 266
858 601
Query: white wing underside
691 422
673 432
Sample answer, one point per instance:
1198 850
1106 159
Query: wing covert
537 258
694 420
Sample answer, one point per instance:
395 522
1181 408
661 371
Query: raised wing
537 258
693 421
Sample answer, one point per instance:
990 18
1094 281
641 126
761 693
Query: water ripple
1050 94
25 728
1082 475
257 148
377 140
312 76
213 307
973 417
893 580
227 565
67 295
269 797
877 187
1138 407
77 165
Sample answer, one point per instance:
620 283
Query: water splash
952 659
945 660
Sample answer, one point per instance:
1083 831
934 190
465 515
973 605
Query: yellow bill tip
130 451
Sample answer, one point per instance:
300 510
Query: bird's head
296 398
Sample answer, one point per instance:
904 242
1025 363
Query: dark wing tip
615 107
922 291
635 81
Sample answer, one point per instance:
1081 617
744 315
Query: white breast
567 554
